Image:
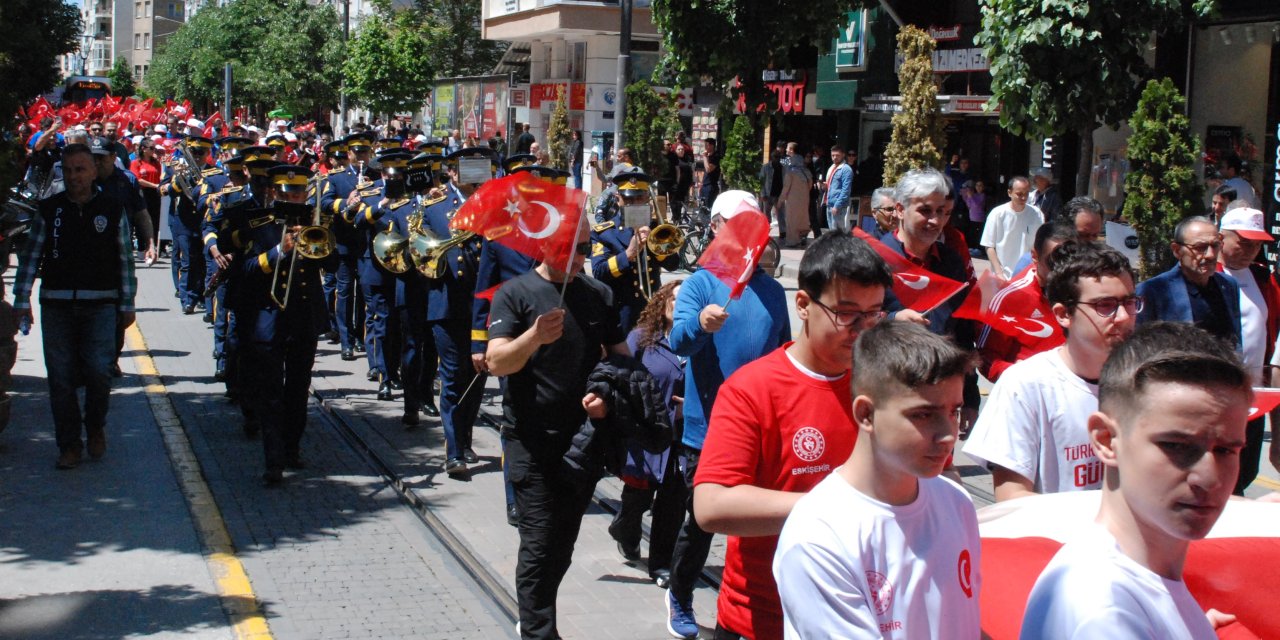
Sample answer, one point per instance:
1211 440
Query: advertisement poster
469 107
494 116
442 120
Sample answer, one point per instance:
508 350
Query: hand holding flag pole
736 250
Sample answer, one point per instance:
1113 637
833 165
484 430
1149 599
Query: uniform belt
79 294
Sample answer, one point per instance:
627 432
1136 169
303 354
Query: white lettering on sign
1275 191
775 75
960 60
944 34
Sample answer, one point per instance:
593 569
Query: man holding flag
717 342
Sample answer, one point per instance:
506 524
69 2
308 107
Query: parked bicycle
698 236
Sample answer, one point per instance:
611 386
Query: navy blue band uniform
182 183
382 330
610 263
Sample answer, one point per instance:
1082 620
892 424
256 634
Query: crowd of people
718 414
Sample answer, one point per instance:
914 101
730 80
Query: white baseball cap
1249 223
162 127
730 203
289 135
195 124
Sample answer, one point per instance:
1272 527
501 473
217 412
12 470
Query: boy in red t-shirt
781 424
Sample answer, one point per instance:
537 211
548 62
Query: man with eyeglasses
1243 232
781 424
1194 290
1033 431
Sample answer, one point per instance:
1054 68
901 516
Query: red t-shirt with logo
777 427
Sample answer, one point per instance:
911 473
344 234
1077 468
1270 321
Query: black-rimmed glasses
1107 307
851 318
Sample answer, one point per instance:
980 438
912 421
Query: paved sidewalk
107 550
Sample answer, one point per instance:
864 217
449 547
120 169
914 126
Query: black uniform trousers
452 340
280 351
418 356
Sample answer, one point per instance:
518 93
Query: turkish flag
734 253
527 214
39 108
916 288
1025 318
1264 400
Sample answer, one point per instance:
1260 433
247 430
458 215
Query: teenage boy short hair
892 356
1073 261
1166 352
840 255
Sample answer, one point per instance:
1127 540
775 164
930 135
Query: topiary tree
646 127
1161 188
740 164
918 138
559 138
121 79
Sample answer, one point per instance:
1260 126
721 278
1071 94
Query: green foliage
918 138
283 53
459 49
742 154
1061 66
726 38
559 138
648 123
390 65
1161 188
33 33
121 79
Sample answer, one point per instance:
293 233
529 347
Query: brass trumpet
428 251
664 240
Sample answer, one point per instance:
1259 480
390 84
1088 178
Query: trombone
664 240
314 242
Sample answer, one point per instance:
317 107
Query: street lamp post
624 75
342 94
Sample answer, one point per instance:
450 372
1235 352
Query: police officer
184 225
340 284
379 285
619 252
282 321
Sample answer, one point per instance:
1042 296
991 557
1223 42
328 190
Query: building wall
1229 82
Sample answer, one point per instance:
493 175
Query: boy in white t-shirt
884 546
1173 403
1033 432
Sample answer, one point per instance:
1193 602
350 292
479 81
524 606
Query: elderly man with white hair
716 341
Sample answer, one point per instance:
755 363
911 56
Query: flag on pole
916 288
734 253
532 216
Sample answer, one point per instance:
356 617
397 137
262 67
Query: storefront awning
950 105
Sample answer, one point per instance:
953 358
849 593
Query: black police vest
82 244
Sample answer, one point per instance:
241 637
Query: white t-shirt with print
1011 233
1090 589
1253 323
1036 424
850 566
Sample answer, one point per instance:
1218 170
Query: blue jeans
79 348
838 218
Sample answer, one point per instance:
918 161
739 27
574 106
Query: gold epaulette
604 226
434 201
211 172
370 191
229 189
398 203
264 220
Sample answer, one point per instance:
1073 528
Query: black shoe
200 306
273 477
455 468
188 310
661 577
348 355
220 370
207 317
429 408
396 384
251 429
513 515
359 347
409 419
631 554
371 376
384 391
115 370
469 456
332 337
295 463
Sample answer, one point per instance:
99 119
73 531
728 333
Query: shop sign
850 46
944 33
970 104
787 85
520 96
548 92
960 60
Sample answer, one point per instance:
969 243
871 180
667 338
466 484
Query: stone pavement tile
333 553
105 550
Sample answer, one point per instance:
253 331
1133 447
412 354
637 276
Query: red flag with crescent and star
734 253
1029 322
528 214
917 288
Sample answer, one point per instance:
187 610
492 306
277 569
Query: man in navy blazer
1194 291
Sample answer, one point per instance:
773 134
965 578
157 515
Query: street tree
1161 187
284 54
389 65
33 33
559 138
1065 66
121 79
742 154
918 138
649 120
455 27
728 38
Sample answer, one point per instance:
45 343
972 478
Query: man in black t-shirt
547 349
